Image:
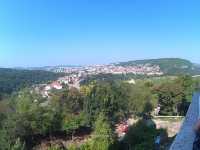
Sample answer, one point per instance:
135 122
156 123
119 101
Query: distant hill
13 79
169 66
50 68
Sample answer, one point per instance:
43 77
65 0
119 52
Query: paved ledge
184 139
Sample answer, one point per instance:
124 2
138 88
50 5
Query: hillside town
142 69
74 75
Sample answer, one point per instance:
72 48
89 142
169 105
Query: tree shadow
144 136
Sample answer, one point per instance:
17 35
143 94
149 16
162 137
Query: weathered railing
185 138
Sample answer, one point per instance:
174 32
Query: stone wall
185 138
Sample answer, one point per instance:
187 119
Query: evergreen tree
103 137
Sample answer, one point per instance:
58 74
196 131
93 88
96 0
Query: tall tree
103 136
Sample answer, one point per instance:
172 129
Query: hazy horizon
82 32
82 65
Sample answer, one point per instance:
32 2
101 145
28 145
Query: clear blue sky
52 32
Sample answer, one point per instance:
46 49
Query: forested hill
13 79
170 66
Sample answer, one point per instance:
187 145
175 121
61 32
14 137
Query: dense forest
169 66
96 108
13 80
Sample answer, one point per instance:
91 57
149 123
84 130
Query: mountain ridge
169 66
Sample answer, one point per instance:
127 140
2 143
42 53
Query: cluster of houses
72 80
146 69
44 89
77 74
53 85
